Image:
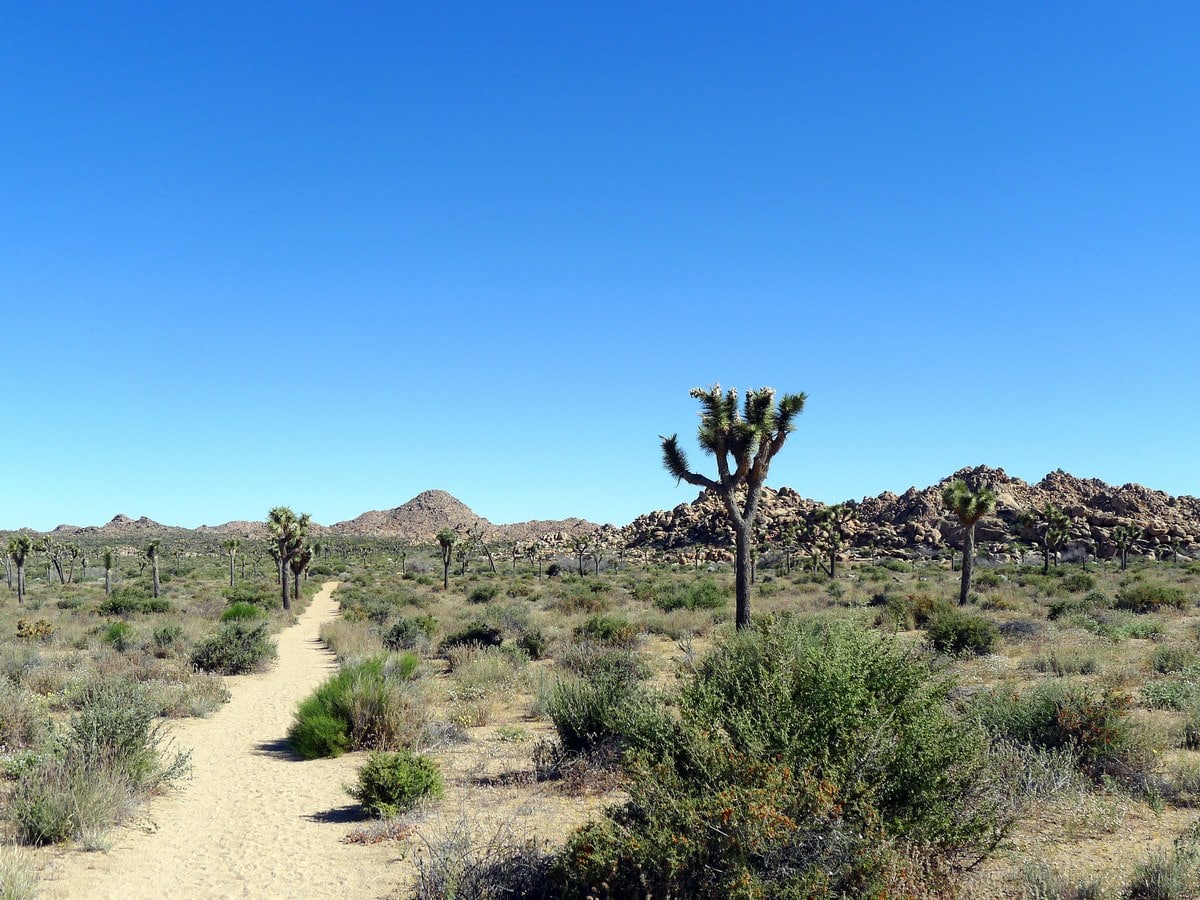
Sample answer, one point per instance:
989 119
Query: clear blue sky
331 255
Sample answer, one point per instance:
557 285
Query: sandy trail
253 821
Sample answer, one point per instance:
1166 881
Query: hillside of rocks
917 522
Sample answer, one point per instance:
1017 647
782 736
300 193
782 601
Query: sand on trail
253 820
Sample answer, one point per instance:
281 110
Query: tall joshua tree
288 533
19 548
230 546
969 506
298 564
446 539
744 442
152 555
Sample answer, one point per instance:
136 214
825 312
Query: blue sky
331 255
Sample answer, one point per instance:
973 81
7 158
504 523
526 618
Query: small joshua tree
152 555
107 558
19 548
744 442
1124 537
969 506
446 539
288 535
230 546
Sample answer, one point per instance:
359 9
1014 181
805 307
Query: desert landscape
525 728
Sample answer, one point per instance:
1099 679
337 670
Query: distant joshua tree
748 438
446 539
230 546
969 506
19 548
1124 536
830 523
299 564
152 555
107 558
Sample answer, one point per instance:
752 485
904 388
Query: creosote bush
958 633
1150 596
239 647
392 783
808 761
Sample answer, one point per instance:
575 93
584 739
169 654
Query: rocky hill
917 521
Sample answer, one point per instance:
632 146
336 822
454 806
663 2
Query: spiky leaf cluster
968 505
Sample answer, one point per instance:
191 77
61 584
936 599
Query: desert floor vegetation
516 731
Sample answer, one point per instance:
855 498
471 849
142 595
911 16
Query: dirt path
253 821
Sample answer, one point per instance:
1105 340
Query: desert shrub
1095 727
987 580
1020 629
166 639
894 565
242 612
532 642
18 875
69 603
607 629
466 862
479 675
24 717
394 782
1044 882
409 632
474 633
1169 876
108 759
958 633
1077 582
812 762
906 610
123 600
258 593
237 648
606 712
368 705
1068 606
1168 658
1066 660
590 660
119 636
34 630
1150 596
1169 693
703 593
554 570
482 593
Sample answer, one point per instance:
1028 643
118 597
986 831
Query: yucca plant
969 506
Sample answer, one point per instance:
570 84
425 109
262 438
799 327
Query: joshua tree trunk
232 556
283 584
741 528
296 584
8 572
968 563
107 581
154 567
20 582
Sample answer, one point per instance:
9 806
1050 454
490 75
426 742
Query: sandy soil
254 820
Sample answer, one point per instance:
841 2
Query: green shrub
474 633
258 593
602 661
1095 727
1077 582
369 705
906 610
24 717
605 712
703 593
241 611
392 783
1168 658
986 580
119 636
409 633
166 639
237 648
532 642
483 593
957 633
1150 596
129 599
811 762
607 629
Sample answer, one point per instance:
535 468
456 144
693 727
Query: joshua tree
19 548
830 522
581 545
288 533
152 555
1124 537
751 437
230 546
298 564
446 539
107 558
969 506
54 552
